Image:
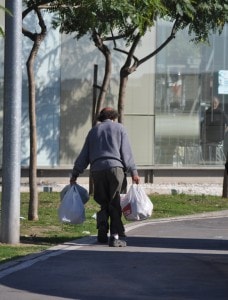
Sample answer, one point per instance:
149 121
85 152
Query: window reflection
186 83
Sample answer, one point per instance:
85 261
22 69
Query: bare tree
37 39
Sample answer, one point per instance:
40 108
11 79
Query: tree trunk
107 75
98 103
125 71
37 39
33 201
122 94
106 80
91 187
128 69
225 185
225 179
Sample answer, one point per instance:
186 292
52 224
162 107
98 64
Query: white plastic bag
71 209
136 205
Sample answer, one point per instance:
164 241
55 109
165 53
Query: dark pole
10 215
93 116
94 94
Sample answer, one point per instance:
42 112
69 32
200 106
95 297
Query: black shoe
116 242
102 236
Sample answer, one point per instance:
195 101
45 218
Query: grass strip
36 236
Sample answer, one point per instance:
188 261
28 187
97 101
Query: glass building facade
166 99
187 79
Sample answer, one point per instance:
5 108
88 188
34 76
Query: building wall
77 63
164 101
140 99
186 81
47 75
77 66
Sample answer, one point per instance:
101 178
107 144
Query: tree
130 20
37 39
80 17
98 19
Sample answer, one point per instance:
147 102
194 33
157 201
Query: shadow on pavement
100 272
178 243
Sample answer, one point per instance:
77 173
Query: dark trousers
107 188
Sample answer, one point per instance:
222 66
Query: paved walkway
177 258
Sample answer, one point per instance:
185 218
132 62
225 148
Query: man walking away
107 149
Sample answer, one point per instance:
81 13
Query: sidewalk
177 258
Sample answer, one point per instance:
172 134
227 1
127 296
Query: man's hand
135 179
73 180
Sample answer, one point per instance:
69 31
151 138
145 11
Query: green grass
180 205
48 231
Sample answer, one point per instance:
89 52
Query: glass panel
140 128
185 86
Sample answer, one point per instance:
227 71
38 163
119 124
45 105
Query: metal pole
93 116
94 94
10 214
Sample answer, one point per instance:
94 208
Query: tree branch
35 5
171 37
125 52
33 36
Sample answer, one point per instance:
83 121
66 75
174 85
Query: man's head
215 102
107 113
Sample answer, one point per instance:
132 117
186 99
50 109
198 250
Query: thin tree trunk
107 75
37 40
122 95
91 187
124 73
33 202
127 69
106 80
225 179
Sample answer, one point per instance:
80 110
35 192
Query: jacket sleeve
82 161
127 155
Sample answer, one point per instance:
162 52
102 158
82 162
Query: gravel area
191 189
184 188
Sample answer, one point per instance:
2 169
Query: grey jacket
107 145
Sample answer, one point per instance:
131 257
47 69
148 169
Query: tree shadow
64 97
99 272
